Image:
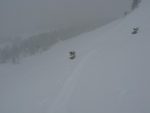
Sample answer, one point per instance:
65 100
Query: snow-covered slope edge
110 73
115 77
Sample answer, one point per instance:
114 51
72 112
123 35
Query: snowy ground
110 73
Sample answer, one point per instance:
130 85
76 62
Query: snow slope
110 73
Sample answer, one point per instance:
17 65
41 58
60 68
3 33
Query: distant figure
135 30
72 55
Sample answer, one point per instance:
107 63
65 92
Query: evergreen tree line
38 43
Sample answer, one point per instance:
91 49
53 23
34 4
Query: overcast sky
26 16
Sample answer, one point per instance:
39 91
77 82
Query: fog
24 17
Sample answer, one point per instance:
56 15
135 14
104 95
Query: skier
135 30
72 55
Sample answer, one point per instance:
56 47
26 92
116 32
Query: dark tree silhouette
135 4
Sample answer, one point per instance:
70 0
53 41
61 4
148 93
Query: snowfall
110 72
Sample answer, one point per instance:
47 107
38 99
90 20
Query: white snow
110 73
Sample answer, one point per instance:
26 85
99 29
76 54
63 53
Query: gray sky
19 17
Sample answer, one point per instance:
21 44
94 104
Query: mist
26 17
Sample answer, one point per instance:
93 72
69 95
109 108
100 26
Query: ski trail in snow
69 85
